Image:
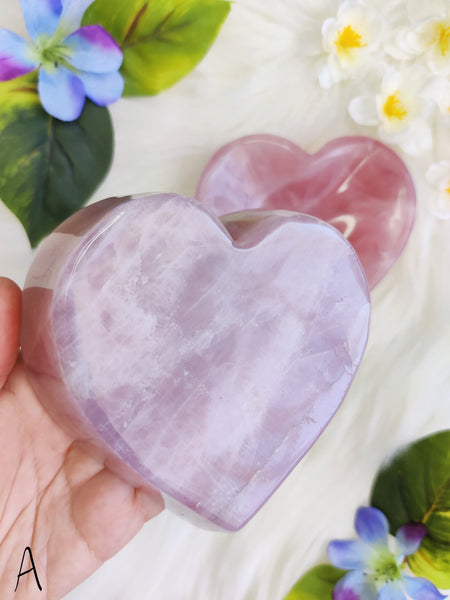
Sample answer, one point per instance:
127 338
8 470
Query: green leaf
415 486
161 41
316 584
48 168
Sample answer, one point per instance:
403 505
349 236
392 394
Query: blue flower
73 61
375 561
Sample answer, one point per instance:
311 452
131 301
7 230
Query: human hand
65 505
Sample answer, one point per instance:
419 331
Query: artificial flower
427 34
375 562
438 175
73 61
432 39
399 109
350 40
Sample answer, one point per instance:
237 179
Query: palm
54 498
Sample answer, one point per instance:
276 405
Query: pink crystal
356 184
203 365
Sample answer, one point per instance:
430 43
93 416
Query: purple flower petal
371 525
347 554
102 88
354 586
419 588
391 591
62 93
15 56
410 537
41 16
72 13
94 50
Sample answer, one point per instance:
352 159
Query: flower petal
439 204
72 14
62 93
438 175
371 525
410 537
325 77
354 586
391 591
102 88
94 50
421 589
15 56
347 554
363 110
41 16
414 140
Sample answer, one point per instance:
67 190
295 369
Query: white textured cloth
258 78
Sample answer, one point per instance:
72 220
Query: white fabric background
257 79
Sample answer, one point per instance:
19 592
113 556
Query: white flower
432 39
438 175
428 35
399 109
350 40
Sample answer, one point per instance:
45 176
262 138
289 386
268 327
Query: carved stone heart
356 184
203 364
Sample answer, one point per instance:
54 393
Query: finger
149 503
10 309
108 512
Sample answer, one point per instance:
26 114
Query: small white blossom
438 175
350 40
427 35
431 38
399 110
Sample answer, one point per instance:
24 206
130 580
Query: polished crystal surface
356 184
200 357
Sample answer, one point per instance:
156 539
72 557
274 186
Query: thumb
10 309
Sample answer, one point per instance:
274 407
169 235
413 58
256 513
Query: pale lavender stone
199 363
356 184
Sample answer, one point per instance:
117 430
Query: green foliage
161 41
48 168
316 584
415 486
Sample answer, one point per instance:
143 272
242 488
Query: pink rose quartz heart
199 363
356 184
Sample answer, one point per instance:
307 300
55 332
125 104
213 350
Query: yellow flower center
448 189
443 39
348 39
394 109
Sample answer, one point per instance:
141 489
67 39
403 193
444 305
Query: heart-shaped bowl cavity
356 184
200 357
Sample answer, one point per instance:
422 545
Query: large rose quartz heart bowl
202 362
356 184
